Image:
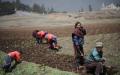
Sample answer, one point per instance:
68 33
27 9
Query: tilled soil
39 54
48 57
15 39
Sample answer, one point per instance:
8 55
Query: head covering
99 44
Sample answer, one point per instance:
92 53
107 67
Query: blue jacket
77 40
95 55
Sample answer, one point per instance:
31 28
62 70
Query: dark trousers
96 68
52 43
7 63
79 54
38 40
78 50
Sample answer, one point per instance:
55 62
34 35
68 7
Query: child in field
78 42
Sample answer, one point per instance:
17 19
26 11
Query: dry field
15 33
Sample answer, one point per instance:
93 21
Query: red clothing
41 34
15 54
80 32
50 37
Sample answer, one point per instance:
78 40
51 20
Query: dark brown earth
11 39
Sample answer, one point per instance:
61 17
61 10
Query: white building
110 6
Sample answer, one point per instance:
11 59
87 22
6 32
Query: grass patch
27 68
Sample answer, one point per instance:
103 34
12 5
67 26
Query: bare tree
90 8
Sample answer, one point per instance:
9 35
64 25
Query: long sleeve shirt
15 55
50 37
95 55
78 36
41 34
77 40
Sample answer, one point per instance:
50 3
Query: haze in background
70 5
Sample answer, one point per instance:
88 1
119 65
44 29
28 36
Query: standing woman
78 42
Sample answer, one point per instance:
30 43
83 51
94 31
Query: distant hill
103 14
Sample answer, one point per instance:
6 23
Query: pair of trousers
7 63
79 54
96 67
